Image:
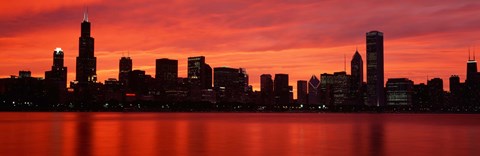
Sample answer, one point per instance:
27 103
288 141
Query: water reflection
83 134
377 131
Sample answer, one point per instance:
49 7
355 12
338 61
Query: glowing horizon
301 38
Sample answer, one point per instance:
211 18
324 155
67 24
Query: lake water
238 134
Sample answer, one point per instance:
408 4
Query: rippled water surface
238 134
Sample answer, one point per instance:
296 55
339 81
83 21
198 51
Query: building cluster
231 85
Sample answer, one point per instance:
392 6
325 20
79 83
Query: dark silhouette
375 71
137 91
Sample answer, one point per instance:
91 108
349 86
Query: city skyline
316 57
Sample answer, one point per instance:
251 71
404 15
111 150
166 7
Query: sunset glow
428 38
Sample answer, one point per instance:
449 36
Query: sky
423 38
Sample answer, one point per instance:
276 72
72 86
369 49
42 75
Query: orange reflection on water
82 134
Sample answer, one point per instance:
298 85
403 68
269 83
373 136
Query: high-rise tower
56 79
86 60
199 72
472 73
357 70
125 67
375 70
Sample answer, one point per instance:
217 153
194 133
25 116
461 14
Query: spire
344 62
85 15
469 53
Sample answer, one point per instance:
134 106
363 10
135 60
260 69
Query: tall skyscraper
314 91
375 70
125 66
357 70
199 72
166 72
281 89
302 92
472 73
266 89
56 79
86 60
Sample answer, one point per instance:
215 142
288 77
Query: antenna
85 14
469 53
344 62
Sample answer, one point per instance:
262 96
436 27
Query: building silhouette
302 95
86 60
24 74
456 91
23 90
341 88
114 90
399 91
357 70
436 94
281 89
472 83
375 69
472 72
199 73
230 84
326 89
314 91
166 73
86 89
138 83
455 85
125 67
266 89
56 79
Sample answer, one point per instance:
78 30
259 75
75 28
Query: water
238 134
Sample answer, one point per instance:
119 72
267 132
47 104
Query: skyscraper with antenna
86 60
472 72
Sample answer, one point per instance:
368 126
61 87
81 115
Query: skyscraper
357 70
435 91
326 89
166 72
375 70
314 91
125 66
281 89
472 73
56 79
230 84
86 60
341 88
302 92
199 72
266 88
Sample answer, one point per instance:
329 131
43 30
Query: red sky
299 37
